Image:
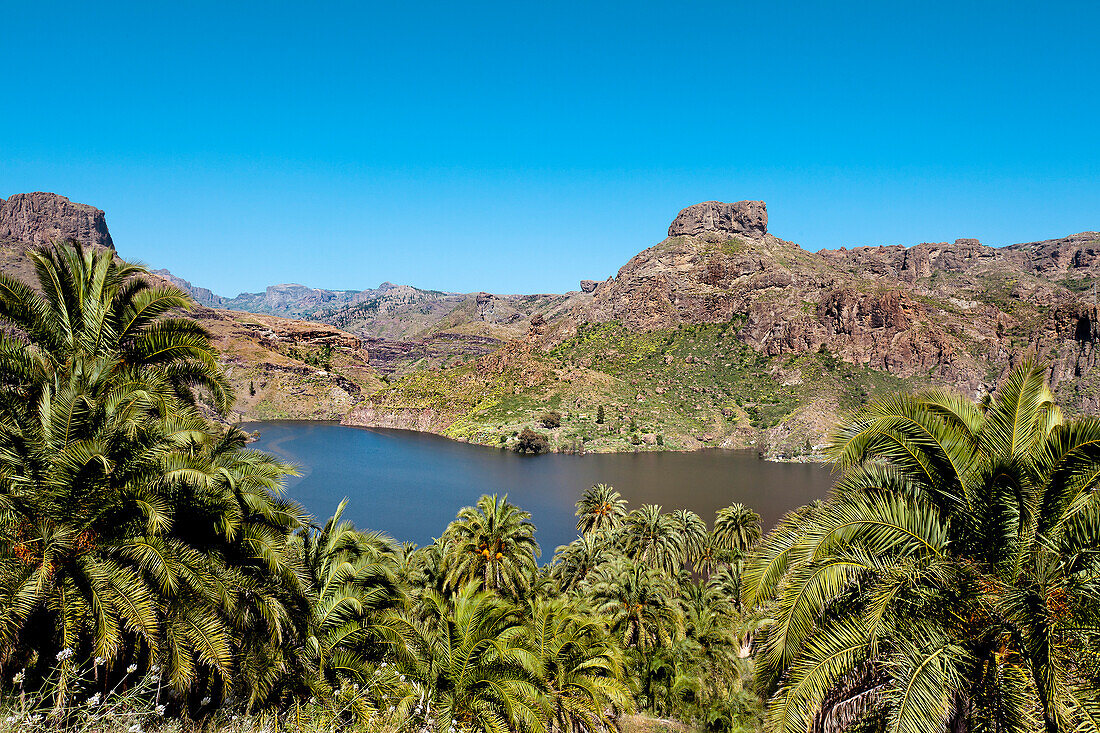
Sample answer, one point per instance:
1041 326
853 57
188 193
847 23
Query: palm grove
948 583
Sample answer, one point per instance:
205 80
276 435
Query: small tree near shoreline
532 442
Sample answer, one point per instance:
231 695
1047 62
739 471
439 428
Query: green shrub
532 442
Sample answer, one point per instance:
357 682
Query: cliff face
38 218
286 369
747 218
421 419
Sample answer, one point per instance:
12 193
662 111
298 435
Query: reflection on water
410 485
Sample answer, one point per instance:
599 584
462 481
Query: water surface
410 485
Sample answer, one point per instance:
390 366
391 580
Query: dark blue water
411 485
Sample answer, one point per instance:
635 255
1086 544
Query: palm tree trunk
960 712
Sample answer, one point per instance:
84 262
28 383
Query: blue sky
520 147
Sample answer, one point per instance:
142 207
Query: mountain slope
279 368
723 334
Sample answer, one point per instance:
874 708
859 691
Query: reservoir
410 485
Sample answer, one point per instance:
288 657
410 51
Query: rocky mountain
723 334
289 369
279 368
408 328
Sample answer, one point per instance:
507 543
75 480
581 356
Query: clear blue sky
520 147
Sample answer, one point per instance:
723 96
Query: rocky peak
38 218
744 218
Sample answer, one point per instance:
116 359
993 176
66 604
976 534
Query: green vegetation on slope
691 387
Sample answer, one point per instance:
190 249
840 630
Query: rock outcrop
1072 256
423 419
38 218
744 218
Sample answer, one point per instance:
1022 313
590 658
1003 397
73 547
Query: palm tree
736 529
581 668
638 601
95 318
693 534
573 562
711 556
353 593
474 665
129 527
600 509
228 527
715 630
950 580
493 543
160 542
654 538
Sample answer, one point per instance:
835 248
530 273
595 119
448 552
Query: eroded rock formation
748 218
38 218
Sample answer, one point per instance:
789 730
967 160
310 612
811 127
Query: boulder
588 286
743 218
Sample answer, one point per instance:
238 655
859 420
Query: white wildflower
131 669
94 700
160 710
18 679
64 654
204 702
355 687
99 661
155 668
135 728
312 701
